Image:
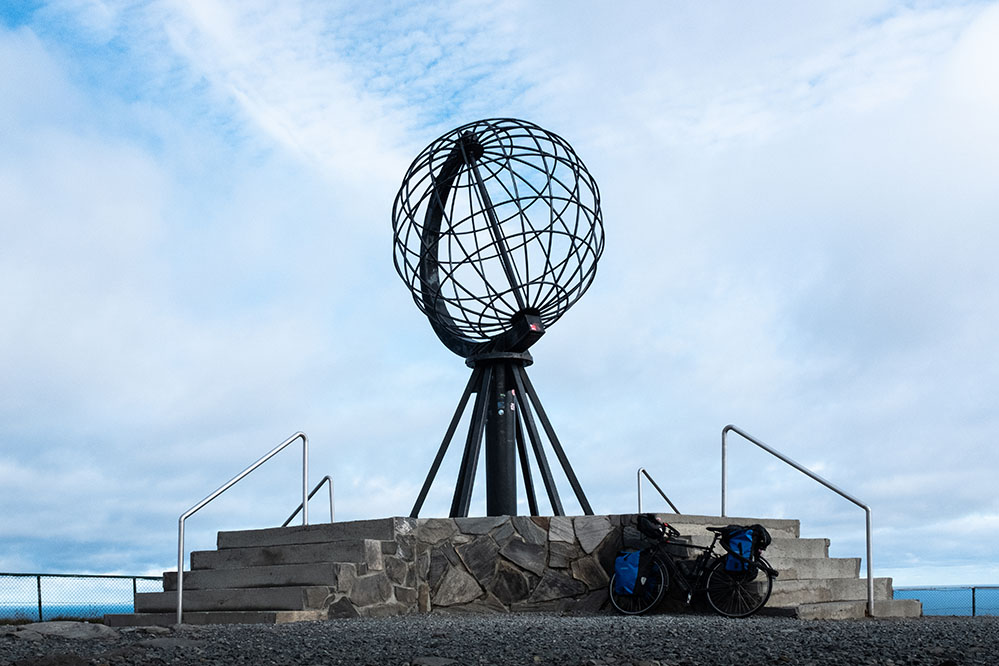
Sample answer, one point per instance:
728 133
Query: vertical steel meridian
498 239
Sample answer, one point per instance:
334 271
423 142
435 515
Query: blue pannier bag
738 541
626 572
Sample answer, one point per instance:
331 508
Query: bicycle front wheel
649 591
738 593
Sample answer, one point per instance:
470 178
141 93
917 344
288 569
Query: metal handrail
194 509
641 471
815 477
325 479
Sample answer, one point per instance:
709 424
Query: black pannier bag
645 533
761 539
650 527
651 531
633 539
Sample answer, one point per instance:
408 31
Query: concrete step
797 548
848 610
364 551
827 610
780 547
214 617
898 608
300 575
778 527
787 593
798 568
228 599
382 529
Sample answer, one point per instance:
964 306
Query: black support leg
470 459
415 513
525 465
559 452
539 451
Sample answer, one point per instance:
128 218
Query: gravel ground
439 640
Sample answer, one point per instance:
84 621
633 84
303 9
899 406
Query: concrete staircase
375 568
811 585
273 576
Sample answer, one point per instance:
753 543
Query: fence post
38 579
972 602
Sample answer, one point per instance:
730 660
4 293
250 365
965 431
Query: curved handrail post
641 471
809 473
326 479
230 483
870 564
638 476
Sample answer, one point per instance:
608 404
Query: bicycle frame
694 582
691 584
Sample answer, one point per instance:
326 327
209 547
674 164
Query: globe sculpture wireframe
497 233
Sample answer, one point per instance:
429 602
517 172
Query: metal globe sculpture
497 233
496 220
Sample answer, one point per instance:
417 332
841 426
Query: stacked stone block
515 563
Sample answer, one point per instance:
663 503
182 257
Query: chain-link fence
954 600
41 597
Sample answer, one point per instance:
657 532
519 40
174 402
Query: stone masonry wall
492 564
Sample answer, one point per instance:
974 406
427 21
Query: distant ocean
56 611
953 600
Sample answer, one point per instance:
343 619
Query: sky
799 204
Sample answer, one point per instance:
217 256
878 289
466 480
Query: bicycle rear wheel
738 593
649 591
